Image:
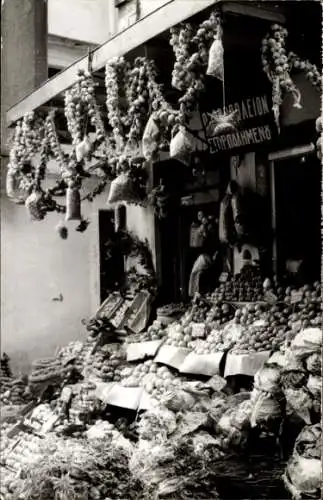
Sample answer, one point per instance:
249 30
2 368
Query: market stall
205 363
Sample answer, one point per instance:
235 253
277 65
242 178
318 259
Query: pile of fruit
71 350
219 314
247 286
199 310
106 364
24 452
17 393
155 379
219 340
155 332
179 335
307 310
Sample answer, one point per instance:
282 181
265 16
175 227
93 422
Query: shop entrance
298 214
112 267
189 252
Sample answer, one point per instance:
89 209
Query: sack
150 138
82 149
73 204
12 189
34 206
181 147
216 62
122 190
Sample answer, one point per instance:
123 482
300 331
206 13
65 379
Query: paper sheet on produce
125 397
103 389
245 364
278 358
141 350
146 402
172 356
202 364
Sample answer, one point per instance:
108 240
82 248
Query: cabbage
303 472
265 408
314 364
307 342
268 379
300 401
303 477
314 385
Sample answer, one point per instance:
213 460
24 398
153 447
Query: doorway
298 213
112 266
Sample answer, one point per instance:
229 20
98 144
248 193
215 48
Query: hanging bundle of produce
221 123
311 71
122 190
276 66
34 206
150 138
73 202
83 149
181 147
216 60
191 50
28 137
160 199
303 473
82 111
231 218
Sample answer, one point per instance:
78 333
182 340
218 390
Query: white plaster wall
85 20
36 266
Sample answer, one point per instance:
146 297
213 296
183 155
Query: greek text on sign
247 110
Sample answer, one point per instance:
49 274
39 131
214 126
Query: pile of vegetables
303 474
106 364
80 469
302 375
48 370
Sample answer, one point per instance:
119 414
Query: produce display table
245 364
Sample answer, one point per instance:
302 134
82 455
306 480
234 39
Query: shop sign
254 125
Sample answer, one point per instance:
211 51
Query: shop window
112 267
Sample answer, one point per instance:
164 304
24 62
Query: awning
160 20
147 28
